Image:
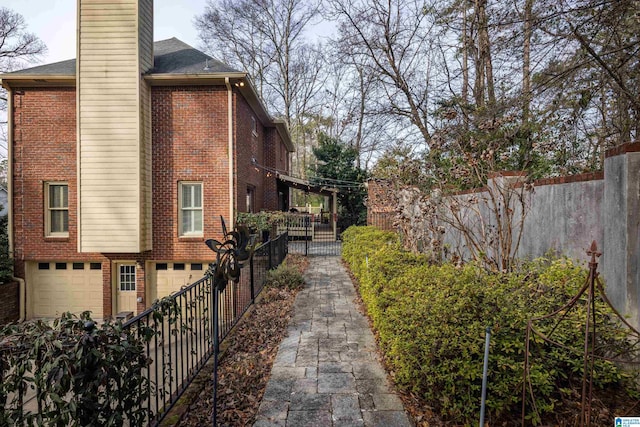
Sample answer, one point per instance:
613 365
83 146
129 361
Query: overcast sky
54 22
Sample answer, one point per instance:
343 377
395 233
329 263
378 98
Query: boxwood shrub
431 322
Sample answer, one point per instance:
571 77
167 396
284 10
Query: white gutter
214 77
230 148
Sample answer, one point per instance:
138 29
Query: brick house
123 161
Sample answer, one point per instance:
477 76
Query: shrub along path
326 372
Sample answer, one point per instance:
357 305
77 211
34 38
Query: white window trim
181 209
48 210
254 126
135 277
251 199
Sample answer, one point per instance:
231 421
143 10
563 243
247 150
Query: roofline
37 80
283 130
250 93
306 185
239 79
176 78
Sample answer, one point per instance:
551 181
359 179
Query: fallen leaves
246 363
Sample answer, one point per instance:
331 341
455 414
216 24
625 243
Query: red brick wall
190 137
189 144
381 205
44 149
247 146
10 308
270 192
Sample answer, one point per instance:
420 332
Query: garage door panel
56 291
171 281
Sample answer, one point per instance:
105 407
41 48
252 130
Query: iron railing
185 330
311 234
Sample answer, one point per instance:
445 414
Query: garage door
56 287
171 277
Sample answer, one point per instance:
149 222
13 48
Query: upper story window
254 126
190 210
56 203
250 198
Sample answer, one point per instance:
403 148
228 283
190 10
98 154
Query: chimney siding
115 46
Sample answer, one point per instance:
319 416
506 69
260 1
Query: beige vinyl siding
145 46
146 166
145 26
114 166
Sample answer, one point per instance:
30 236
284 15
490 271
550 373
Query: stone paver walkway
327 372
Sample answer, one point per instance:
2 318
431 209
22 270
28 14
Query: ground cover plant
430 321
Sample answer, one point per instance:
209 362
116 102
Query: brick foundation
10 307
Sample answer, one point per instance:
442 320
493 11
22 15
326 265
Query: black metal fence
185 331
312 235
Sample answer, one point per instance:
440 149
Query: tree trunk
485 49
526 61
479 86
361 111
465 57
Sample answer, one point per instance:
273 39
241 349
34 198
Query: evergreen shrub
431 322
81 374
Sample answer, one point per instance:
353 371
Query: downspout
230 149
22 295
22 298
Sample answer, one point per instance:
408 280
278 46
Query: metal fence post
307 224
251 281
270 248
216 348
485 368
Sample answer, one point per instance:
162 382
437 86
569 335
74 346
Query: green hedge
431 322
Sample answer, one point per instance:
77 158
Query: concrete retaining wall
566 214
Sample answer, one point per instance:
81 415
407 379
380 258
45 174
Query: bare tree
267 39
350 108
396 39
263 37
18 47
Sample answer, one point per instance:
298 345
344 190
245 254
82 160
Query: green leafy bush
285 276
81 374
431 322
260 221
6 263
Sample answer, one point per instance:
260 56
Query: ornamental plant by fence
431 320
76 373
